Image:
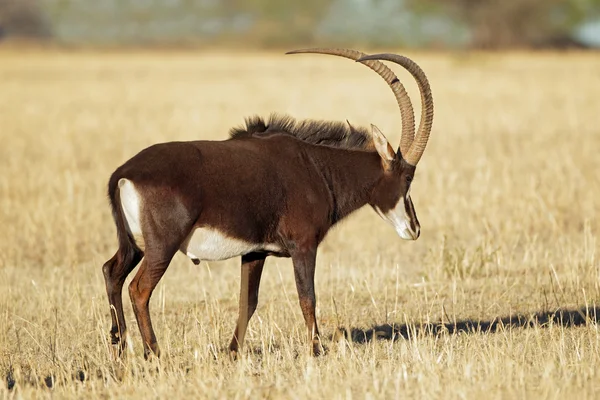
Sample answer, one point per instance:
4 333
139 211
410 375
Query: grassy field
498 296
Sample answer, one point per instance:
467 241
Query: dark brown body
281 183
273 188
263 189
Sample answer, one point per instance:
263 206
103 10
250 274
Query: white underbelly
210 244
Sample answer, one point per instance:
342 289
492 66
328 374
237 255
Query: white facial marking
130 204
210 244
400 220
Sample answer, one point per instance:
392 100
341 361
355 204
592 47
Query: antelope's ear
383 147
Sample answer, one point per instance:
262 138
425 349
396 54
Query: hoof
152 353
318 349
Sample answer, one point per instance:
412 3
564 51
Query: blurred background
439 24
508 196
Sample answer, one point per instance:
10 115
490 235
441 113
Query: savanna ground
498 296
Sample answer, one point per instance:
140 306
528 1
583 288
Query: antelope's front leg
304 271
252 267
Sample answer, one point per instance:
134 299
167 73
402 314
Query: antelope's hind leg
115 272
140 289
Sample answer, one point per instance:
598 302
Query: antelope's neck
350 176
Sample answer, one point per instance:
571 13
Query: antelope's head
390 197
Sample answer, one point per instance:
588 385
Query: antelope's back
243 186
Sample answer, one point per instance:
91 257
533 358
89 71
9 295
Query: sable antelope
273 188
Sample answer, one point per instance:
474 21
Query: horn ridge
417 147
402 98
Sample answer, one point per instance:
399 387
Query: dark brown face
391 199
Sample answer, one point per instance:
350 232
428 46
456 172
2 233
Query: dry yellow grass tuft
507 193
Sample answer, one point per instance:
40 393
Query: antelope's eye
409 179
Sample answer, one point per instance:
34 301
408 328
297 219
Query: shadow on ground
543 319
561 317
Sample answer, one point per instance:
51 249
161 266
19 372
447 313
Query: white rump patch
210 244
131 205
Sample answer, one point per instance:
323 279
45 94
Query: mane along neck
326 133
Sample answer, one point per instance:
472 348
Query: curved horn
418 145
406 108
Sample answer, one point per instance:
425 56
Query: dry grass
507 193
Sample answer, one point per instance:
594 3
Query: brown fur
326 133
274 188
268 184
